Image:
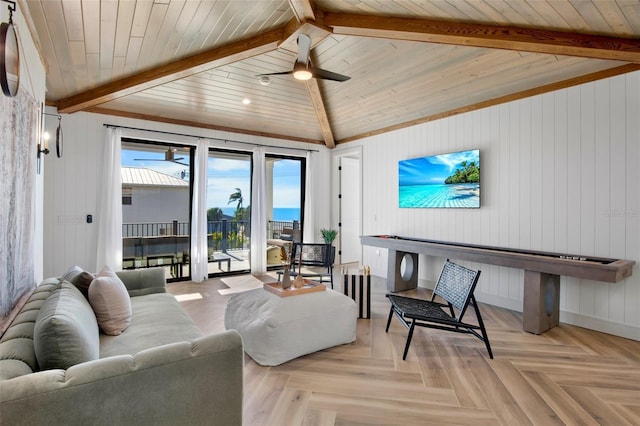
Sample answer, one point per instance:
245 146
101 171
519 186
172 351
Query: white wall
152 204
559 173
72 182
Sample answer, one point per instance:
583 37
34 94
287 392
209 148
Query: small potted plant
328 235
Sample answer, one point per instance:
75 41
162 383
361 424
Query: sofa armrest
144 281
195 383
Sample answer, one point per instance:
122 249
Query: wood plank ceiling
193 62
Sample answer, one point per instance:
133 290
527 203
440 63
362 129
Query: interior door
350 247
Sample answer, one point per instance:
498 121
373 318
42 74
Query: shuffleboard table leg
541 305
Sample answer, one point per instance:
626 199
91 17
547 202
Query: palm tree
236 197
214 214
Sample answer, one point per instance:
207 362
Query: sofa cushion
80 278
158 319
66 331
110 302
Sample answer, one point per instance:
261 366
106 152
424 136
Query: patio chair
455 286
316 262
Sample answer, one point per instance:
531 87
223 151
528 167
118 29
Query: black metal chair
313 261
455 286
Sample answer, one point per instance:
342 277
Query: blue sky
432 170
225 175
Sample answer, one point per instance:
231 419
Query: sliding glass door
229 211
157 194
285 201
156 212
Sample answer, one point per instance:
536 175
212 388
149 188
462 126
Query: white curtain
110 204
308 227
258 213
199 249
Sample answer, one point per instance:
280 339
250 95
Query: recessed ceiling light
265 81
246 101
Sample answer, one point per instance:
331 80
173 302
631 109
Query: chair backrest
290 234
456 285
313 254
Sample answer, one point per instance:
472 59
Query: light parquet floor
568 375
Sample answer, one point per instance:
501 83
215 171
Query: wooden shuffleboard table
542 270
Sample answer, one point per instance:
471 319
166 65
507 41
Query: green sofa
160 371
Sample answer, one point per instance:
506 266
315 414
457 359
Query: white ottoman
277 329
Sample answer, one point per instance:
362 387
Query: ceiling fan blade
304 47
182 164
275 73
328 75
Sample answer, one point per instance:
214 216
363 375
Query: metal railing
222 235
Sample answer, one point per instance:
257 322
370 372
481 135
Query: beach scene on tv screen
440 181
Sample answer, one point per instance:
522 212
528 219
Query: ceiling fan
303 70
169 155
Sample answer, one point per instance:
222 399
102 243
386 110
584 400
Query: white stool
277 329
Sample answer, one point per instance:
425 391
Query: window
156 228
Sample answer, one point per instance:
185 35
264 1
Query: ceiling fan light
301 72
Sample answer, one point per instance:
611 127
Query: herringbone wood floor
568 375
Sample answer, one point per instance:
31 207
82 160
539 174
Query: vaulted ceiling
410 61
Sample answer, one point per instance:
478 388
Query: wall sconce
43 143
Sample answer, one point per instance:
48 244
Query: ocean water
462 195
279 213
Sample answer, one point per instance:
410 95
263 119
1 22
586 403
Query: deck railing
222 235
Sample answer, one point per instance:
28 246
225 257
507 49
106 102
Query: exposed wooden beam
303 10
321 113
188 123
181 68
489 36
612 72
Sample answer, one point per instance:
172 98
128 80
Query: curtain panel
258 213
308 227
199 250
110 204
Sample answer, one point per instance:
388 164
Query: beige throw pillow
110 302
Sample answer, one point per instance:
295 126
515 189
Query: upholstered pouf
277 329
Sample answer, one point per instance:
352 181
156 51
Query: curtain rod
203 137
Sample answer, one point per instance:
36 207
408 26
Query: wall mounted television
440 181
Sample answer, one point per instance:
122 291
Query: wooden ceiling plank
123 29
489 36
108 20
182 68
321 112
155 23
149 117
503 99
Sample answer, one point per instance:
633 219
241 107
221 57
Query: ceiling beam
321 113
488 36
303 10
213 58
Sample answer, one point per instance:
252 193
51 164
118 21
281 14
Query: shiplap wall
72 182
559 172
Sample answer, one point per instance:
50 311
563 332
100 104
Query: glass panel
229 211
285 189
156 200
